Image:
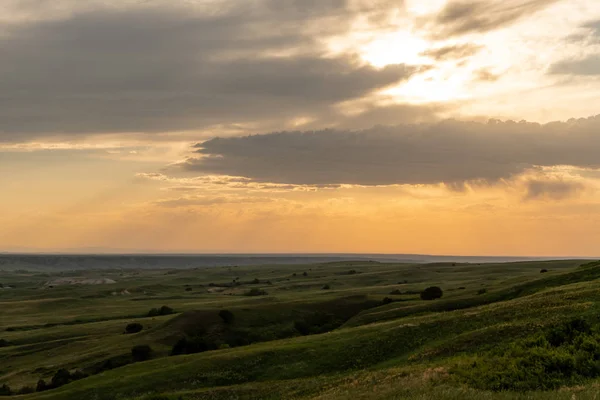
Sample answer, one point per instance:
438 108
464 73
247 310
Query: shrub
326 287
387 300
396 292
256 281
61 377
543 271
191 346
5 390
134 327
78 374
41 386
431 293
226 316
165 310
3 342
141 352
482 291
255 292
154 312
302 327
26 390
305 273
188 289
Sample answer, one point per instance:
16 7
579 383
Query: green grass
407 349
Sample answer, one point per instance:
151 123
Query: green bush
41 386
141 352
134 327
191 346
164 310
61 377
5 390
26 390
255 292
226 316
431 293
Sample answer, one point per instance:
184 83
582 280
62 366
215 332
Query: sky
456 127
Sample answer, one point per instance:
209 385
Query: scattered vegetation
255 292
565 355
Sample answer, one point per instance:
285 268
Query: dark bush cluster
3 342
317 322
565 355
386 300
482 291
543 271
226 316
431 293
60 378
141 352
192 346
134 327
5 390
164 310
255 292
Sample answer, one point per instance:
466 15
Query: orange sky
125 126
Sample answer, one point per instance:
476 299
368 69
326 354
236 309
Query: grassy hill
322 331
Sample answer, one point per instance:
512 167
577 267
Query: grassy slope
406 353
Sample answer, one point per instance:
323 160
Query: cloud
485 75
449 152
454 52
479 16
552 189
587 66
164 67
190 201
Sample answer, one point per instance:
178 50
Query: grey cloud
586 66
479 16
450 152
554 190
168 68
455 52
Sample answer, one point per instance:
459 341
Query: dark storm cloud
450 152
479 16
554 190
156 69
456 52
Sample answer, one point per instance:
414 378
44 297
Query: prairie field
328 330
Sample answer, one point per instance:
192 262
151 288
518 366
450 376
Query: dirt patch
80 281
